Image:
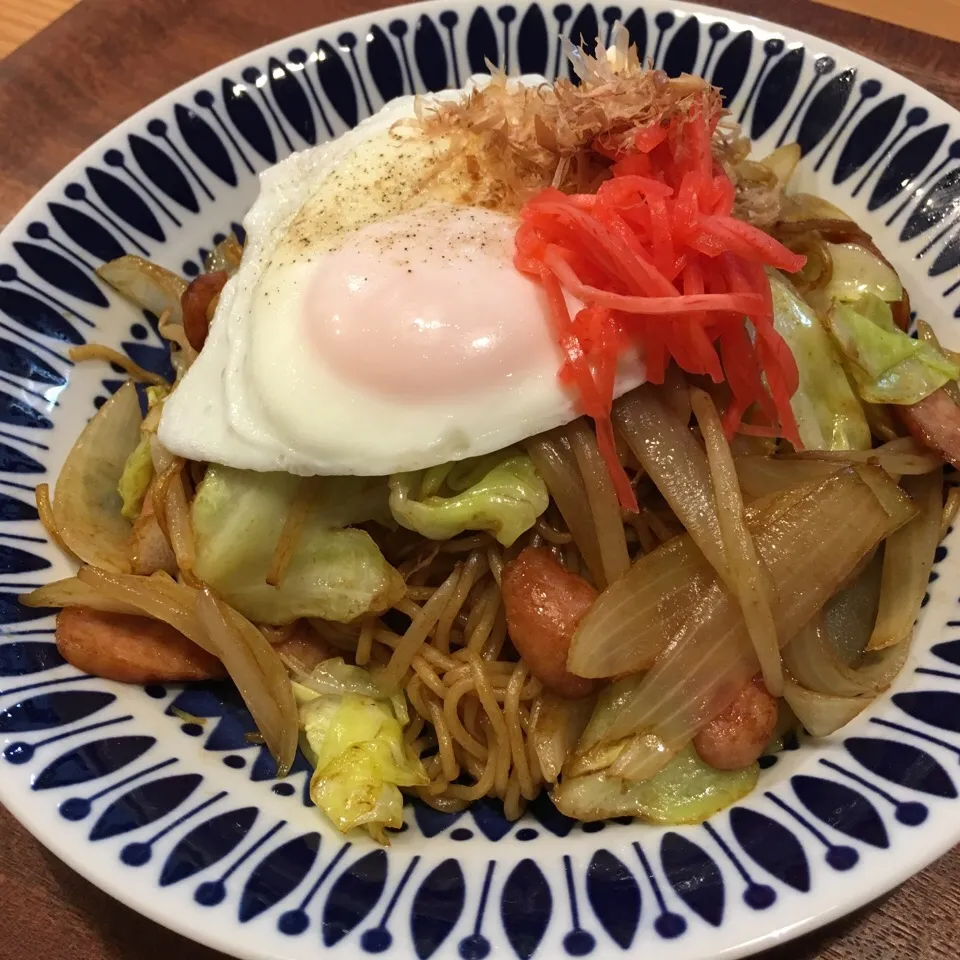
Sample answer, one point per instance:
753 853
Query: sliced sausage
544 603
738 736
195 301
935 422
117 646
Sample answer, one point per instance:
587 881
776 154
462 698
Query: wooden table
93 68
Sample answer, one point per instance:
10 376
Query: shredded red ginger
662 266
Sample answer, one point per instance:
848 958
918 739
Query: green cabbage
887 365
502 494
355 744
829 415
336 574
138 470
135 479
686 790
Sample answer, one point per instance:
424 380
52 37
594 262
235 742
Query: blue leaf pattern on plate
867 137
144 804
20 658
248 118
51 710
61 272
532 46
825 110
90 761
207 844
278 874
437 906
614 895
525 908
354 894
694 876
163 172
771 845
337 85
681 55
843 808
776 90
86 232
482 41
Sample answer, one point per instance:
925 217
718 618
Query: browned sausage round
194 302
117 646
739 735
544 603
935 422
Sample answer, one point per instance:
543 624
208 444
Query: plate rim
110 880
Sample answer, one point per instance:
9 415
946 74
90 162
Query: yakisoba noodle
474 704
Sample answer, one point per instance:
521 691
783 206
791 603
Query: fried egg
376 323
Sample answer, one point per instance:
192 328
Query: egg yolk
427 305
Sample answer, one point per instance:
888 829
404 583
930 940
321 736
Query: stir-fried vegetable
828 413
557 726
811 541
135 479
745 569
686 790
87 507
907 561
856 272
887 365
354 741
258 673
147 284
335 572
505 500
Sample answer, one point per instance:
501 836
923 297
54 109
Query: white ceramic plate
186 823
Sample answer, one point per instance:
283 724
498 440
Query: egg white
257 398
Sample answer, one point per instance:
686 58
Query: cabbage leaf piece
333 573
502 495
887 365
135 479
355 744
687 790
138 470
826 407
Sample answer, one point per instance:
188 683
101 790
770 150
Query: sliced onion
72 592
157 596
86 504
782 162
559 726
148 285
747 572
557 466
810 546
900 457
827 656
908 559
677 464
820 713
602 500
631 622
763 476
225 256
256 669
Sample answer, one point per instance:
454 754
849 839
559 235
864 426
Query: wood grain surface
96 66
